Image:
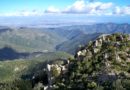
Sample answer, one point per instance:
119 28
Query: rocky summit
103 64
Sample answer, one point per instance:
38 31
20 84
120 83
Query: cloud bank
92 8
24 13
89 7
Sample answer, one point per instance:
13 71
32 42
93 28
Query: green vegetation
16 85
107 68
71 45
30 40
103 64
11 70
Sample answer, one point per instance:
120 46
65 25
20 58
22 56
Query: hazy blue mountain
101 28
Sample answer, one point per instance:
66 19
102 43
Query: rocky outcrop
106 59
56 70
112 50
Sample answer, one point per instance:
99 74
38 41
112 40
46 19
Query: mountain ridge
103 64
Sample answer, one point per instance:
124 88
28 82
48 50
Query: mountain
103 64
24 39
77 35
29 40
72 45
66 32
101 28
81 34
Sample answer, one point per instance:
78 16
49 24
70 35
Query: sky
40 7
53 12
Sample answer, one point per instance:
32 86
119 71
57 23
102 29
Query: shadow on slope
4 29
7 53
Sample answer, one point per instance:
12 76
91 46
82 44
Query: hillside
103 64
29 40
7 53
72 45
15 69
25 39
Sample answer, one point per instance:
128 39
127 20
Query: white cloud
52 9
30 13
24 13
77 7
105 6
97 8
122 10
80 6
117 10
126 10
92 8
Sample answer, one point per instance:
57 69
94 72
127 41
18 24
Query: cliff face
103 64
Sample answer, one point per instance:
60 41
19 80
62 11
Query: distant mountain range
82 34
25 39
101 28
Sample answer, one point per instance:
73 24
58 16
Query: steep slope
66 32
72 45
21 68
103 64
